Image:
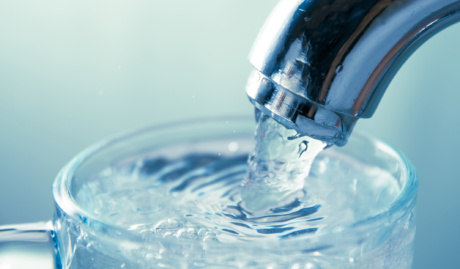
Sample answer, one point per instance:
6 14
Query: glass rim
64 200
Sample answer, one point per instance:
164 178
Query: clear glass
85 240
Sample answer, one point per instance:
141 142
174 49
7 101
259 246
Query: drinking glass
155 235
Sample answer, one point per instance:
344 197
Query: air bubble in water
303 146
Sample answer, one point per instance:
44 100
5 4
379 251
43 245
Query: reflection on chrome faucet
320 65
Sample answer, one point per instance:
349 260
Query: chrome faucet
320 65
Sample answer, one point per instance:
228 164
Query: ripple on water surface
199 196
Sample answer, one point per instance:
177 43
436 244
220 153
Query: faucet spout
320 65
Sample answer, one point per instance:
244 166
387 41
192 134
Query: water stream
278 165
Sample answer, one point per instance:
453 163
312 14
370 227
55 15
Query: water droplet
233 146
307 19
339 68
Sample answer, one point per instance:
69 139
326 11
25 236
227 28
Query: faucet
320 65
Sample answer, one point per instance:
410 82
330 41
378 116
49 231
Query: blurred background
75 72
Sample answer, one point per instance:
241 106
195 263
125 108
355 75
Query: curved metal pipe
320 65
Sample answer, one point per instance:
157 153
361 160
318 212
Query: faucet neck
337 56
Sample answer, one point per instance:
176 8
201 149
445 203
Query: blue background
75 72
